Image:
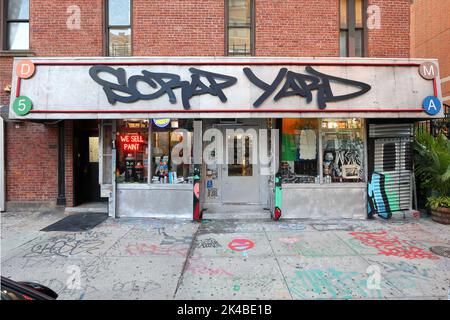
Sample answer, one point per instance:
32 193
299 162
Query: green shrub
436 202
432 163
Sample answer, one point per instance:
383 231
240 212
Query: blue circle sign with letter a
431 105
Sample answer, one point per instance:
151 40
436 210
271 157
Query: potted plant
432 167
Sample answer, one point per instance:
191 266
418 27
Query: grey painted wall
326 201
154 201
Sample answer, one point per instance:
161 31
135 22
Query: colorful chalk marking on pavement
241 245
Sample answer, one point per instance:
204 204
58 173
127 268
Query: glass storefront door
240 174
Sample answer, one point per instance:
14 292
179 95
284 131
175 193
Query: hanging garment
308 148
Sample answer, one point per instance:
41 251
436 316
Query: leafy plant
432 163
437 202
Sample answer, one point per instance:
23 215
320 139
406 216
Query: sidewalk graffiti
205 270
332 227
208 243
170 240
292 226
253 284
134 249
390 245
288 240
145 248
134 288
311 248
405 275
241 245
65 246
330 283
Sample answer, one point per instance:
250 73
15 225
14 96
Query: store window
171 139
154 151
132 151
299 153
343 150
351 36
16 15
240 27
118 24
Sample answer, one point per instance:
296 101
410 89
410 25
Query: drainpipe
61 200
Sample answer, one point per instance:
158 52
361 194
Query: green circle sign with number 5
22 105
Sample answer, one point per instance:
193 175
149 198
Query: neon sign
131 141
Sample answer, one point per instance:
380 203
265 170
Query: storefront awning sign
57 88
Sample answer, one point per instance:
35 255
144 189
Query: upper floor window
16 24
351 28
118 24
240 27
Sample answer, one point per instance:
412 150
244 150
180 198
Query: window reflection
239 150
17 25
343 150
18 36
120 42
239 33
239 13
239 41
119 12
119 28
18 10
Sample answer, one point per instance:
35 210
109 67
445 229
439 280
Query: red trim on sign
435 89
215 63
18 87
232 111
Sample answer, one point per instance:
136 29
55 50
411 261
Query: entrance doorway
233 186
240 174
86 162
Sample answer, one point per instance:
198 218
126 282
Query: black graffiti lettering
197 87
167 83
268 88
166 87
110 88
325 93
206 82
296 84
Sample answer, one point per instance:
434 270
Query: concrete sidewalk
168 259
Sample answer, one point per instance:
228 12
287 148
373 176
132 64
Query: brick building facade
288 28
430 37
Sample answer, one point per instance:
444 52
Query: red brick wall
31 152
178 28
392 40
49 35
430 36
301 28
